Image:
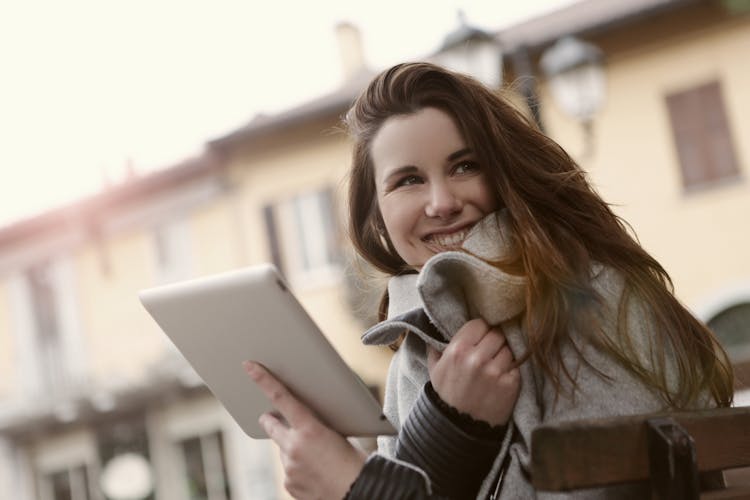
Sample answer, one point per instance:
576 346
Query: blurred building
670 147
87 381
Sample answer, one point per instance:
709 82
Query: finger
471 332
282 400
275 428
511 378
504 358
490 345
498 330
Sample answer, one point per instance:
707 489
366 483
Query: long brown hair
561 227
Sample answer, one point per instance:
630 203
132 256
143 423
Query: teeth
450 240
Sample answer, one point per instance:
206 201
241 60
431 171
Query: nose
443 201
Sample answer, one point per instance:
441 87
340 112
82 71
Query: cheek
399 217
389 216
393 220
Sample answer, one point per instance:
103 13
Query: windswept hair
561 228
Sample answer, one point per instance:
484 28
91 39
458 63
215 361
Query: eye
408 180
465 167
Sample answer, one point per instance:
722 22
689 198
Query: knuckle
277 394
474 362
468 362
456 351
307 433
493 370
511 379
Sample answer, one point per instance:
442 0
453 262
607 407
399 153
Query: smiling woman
430 190
519 296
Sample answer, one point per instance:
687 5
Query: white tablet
219 321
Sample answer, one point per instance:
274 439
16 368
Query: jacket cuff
389 478
455 460
471 426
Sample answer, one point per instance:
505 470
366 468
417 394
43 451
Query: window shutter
718 134
701 134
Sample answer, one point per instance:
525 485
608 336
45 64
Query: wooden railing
681 455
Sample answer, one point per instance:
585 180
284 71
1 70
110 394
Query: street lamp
575 73
472 51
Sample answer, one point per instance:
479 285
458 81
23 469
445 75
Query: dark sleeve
455 451
392 479
440 455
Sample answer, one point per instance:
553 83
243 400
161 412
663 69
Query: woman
525 299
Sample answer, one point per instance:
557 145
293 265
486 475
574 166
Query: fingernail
249 368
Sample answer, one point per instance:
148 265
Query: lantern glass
579 91
478 58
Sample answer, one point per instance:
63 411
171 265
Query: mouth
441 242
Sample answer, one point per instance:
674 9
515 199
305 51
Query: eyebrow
459 154
410 169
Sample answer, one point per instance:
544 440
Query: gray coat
453 287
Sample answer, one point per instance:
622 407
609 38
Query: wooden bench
675 452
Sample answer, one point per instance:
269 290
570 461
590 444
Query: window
702 135
47 327
47 330
67 484
205 467
64 465
732 327
171 251
302 233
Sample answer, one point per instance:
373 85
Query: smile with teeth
447 240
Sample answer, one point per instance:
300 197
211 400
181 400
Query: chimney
350 48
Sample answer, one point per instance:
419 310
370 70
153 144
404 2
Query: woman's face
430 189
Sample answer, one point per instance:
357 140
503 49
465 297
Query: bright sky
88 85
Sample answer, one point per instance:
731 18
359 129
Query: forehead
426 136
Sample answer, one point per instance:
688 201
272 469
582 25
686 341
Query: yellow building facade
695 226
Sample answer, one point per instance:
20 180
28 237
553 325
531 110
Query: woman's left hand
476 373
318 462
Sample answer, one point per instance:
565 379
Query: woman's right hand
475 373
